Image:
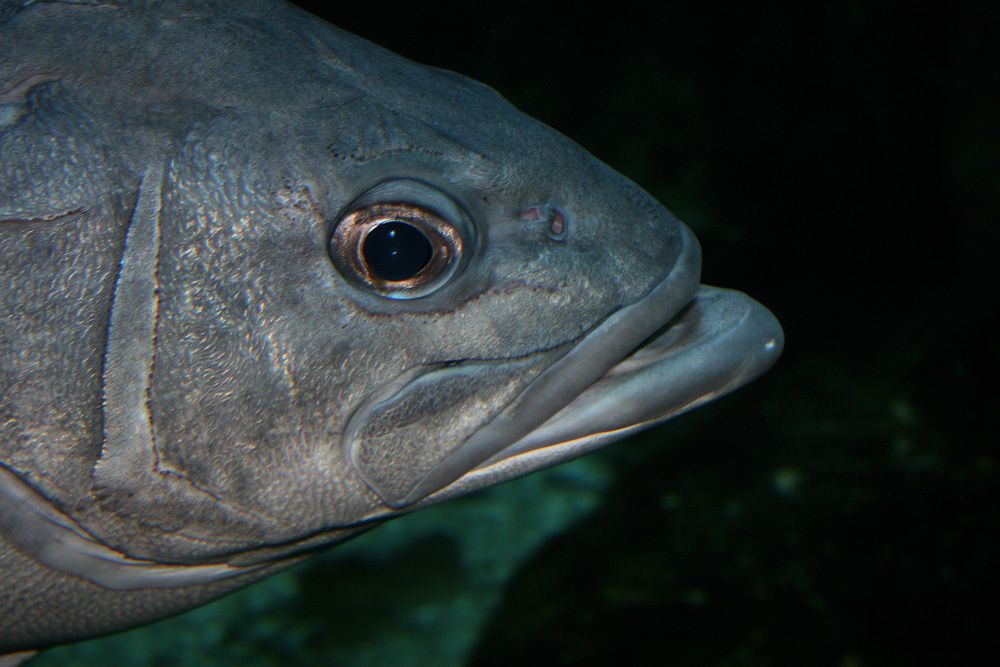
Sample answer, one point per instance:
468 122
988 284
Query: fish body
265 285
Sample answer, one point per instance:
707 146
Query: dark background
839 162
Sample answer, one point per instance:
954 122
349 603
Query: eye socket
396 247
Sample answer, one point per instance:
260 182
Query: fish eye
403 239
396 250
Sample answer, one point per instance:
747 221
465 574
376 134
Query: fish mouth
720 341
680 345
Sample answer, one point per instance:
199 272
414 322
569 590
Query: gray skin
195 394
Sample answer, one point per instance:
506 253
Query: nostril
556 220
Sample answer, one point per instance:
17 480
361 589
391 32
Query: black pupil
396 251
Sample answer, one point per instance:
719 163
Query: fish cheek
395 442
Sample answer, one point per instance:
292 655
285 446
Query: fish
266 285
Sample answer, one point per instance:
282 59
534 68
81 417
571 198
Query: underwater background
840 162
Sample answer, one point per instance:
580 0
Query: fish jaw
717 343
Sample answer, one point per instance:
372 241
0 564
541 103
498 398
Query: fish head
469 275
380 286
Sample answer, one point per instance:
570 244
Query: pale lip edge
731 340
